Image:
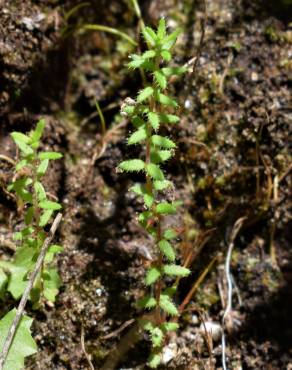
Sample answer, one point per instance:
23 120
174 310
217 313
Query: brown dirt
233 146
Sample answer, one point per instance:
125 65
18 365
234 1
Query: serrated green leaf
45 217
149 54
149 36
22 345
160 156
160 79
169 118
42 167
166 100
47 204
154 171
153 274
173 71
136 62
138 121
148 199
170 40
138 189
167 305
162 185
137 136
147 302
153 118
176 270
154 360
40 191
170 234
145 94
167 250
132 165
36 134
165 208
50 155
169 326
166 55
162 142
144 217
156 337
161 30
146 324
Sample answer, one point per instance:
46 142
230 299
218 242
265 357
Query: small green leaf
47 204
153 274
154 171
170 40
162 185
154 360
145 94
160 79
22 141
161 31
171 71
166 100
138 122
156 337
21 164
28 215
162 142
37 133
153 118
169 326
53 249
19 137
42 168
40 191
149 35
170 234
149 54
167 250
137 136
165 208
52 283
138 189
45 217
144 217
136 62
132 165
147 302
167 305
148 199
146 324
176 270
50 155
169 118
23 344
160 156
166 55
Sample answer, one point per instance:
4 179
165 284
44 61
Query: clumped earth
232 161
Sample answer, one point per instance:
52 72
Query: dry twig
24 298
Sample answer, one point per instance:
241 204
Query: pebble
213 328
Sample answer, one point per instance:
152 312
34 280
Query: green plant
148 112
38 210
32 200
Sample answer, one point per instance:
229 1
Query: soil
233 160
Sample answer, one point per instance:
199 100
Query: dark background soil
233 160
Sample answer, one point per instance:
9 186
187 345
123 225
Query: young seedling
152 108
37 210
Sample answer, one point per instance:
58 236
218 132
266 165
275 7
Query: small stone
213 328
169 352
